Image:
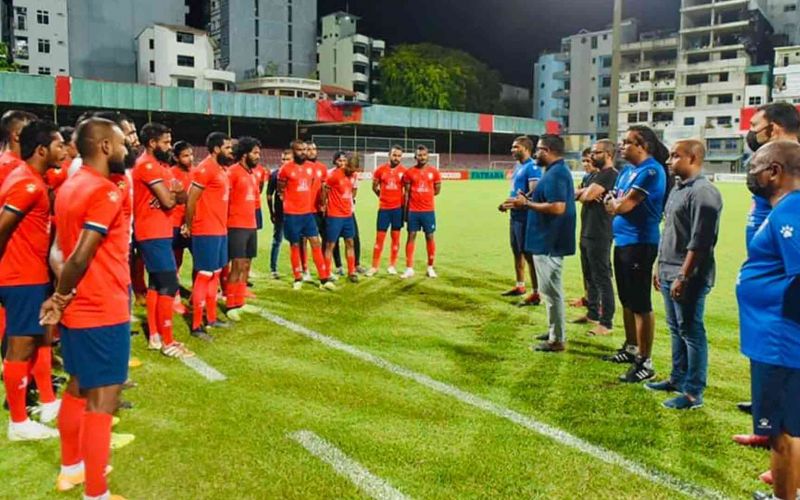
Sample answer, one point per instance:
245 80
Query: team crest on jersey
787 231
309 171
30 187
148 166
113 196
430 177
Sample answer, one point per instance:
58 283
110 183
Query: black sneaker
353 278
202 334
249 284
745 407
544 336
637 373
621 356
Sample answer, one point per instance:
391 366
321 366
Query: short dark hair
525 142
114 116
397 147
244 145
215 140
586 152
311 142
152 132
179 147
297 142
85 131
553 142
66 132
10 120
36 133
422 147
783 114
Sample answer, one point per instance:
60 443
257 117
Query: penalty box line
554 433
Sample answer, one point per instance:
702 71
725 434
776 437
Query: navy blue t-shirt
767 288
523 174
552 235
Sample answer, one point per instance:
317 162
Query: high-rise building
784 16
346 58
36 33
257 38
786 75
547 90
102 34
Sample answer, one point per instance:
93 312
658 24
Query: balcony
361 96
378 45
360 77
560 94
561 56
560 112
698 5
216 75
360 58
561 75
360 40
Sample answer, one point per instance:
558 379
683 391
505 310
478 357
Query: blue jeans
689 343
277 239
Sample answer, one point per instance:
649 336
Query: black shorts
517 236
776 399
179 241
242 243
633 270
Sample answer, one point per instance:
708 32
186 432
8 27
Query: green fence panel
298 109
518 125
467 122
183 100
390 116
424 118
484 175
18 87
222 103
146 97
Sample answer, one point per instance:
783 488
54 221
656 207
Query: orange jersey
150 220
124 184
390 181
89 201
8 162
211 212
55 177
421 182
340 193
320 174
244 193
185 178
25 259
300 193
262 176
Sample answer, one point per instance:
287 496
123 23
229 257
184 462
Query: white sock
520 284
71 470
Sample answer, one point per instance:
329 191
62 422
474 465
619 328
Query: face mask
162 156
752 138
755 187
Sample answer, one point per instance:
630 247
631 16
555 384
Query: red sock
2 322
223 277
241 292
351 264
295 258
431 244
164 315
41 371
211 298
69 428
304 256
376 251
230 294
323 270
410 254
199 293
96 443
151 304
395 250
15 378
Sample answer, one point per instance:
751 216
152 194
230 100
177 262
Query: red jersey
8 162
89 201
262 176
124 184
55 177
340 193
390 181
211 212
301 188
244 193
320 174
25 260
421 182
185 178
151 221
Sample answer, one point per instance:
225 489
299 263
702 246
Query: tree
5 60
431 76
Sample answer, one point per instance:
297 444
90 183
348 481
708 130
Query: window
152 66
643 116
602 120
724 120
256 27
218 86
591 118
690 101
594 42
754 101
605 82
21 17
21 47
634 78
720 99
605 37
789 8
542 67
541 85
662 116
185 83
24 69
688 121
184 37
44 70
645 76
44 46
289 13
644 96
728 54
723 77
698 58
594 60
541 104
186 61
152 44
583 40
664 96
43 17
606 62
696 79
633 117
633 98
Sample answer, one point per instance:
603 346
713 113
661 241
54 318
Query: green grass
228 439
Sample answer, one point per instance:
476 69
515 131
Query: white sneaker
154 344
297 285
391 270
49 411
276 275
307 277
334 277
234 315
408 273
431 272
30 431
254 275
135 319
371 272
328 285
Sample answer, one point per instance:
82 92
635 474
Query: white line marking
209 372
345 466
530 423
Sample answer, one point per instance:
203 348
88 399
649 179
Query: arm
705 211
9 220
180 192
325 190
191 205
406 199
437 188
165 196
593 192
281 188
625 204
376 187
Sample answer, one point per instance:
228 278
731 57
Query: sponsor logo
787 231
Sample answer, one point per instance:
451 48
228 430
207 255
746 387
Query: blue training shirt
767 291
640 225
553 235
757 215
524 173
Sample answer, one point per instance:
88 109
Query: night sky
505 34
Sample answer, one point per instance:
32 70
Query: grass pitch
197 439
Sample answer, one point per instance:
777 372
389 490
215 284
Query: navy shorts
157 255
296 227
22 305
517 236
339 227
97 356
776 399
259 218
179 241
242 243
426 221
390 217
210 253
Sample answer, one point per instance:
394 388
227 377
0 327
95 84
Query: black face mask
752 138
755 187
162 156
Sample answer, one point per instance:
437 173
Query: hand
62 301
186 232
611 204
502 207
50 312
677 289
176 186
656 283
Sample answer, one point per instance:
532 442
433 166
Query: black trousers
597 274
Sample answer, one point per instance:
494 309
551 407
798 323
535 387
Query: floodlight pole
616 62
